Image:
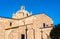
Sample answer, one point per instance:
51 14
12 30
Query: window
51 24
47 25
43 24
10 23
22 36
27 14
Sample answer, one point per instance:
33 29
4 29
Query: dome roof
21 13
23 10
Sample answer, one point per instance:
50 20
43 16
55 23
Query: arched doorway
22 36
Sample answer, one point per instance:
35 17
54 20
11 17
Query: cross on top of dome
22 7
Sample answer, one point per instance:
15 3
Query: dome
23 10
21 13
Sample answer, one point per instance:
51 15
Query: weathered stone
24 23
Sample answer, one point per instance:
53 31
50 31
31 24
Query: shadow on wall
55 32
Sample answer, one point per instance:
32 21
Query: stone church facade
24 25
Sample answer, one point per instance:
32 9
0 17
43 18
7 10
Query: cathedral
25 25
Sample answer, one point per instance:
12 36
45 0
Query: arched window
10 23
22 36
51 24
44 25
27 14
